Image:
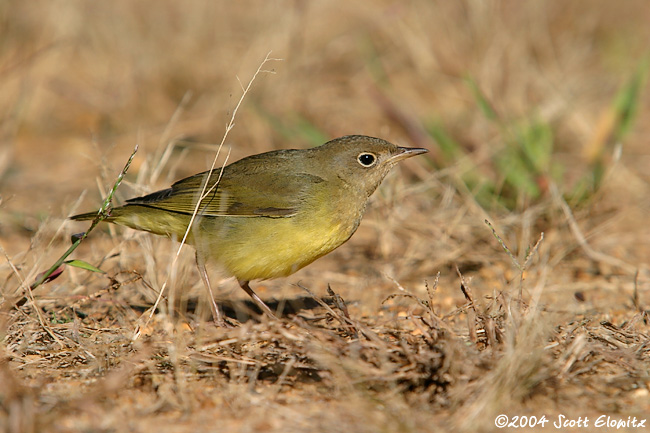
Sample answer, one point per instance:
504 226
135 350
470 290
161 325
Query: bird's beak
407 152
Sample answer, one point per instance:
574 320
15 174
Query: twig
102 214
430 292
594 255
533 251
467 291
504 246
345 321
340 303
205 191
529 256
635 295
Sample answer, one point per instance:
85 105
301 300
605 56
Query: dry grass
393 347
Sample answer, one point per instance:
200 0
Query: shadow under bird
268 215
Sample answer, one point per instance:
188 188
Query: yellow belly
262 248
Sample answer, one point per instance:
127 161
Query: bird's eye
367 159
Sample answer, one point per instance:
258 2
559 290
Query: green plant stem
102 214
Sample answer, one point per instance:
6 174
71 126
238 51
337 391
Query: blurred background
510 97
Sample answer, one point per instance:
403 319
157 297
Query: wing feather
239 193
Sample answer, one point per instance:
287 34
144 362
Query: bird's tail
144 218
87 217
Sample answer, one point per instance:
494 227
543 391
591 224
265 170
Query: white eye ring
367 159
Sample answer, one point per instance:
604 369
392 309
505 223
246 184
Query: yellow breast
262 248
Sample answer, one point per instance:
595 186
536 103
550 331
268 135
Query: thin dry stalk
596 256
205 191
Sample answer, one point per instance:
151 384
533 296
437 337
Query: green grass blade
83 265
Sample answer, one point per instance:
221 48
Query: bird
267 215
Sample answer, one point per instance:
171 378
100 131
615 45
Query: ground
506 272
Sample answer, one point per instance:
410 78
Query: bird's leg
244 285
217 315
